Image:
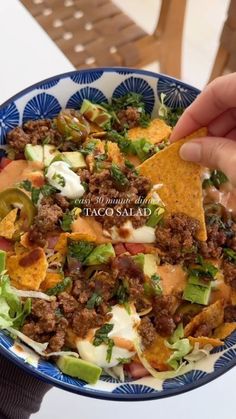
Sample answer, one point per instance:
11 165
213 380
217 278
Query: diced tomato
4 162
136 370
119 249
5 244
135 248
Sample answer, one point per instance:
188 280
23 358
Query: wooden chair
95 33
225 61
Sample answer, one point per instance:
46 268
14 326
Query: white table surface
27 56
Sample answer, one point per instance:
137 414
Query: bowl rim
130 70
86 391
104 395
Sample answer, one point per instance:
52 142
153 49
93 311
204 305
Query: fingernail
191 152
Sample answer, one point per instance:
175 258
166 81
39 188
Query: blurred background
185 38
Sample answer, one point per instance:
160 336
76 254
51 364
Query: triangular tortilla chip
205 340
156 132
7 224
181 180
224 330
212 315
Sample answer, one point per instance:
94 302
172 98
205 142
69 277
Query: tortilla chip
51 279
28 275
212 315
233 297
89 228
61 245
224 330
181 180
158 354
205 340
7 224
156 132
114 153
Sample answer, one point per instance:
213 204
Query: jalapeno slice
16 198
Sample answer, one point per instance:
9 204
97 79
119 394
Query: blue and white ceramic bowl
45 100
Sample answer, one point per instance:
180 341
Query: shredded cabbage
197 354
40 348
33 294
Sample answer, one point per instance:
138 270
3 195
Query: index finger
215 99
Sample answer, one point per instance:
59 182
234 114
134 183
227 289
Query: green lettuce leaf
181 348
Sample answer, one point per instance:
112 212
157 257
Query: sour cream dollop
124 334
65 180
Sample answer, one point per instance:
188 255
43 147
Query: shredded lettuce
197 354
12 311
181 348
34 294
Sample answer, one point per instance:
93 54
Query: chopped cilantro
118 176
122 293
66 221
109 350
101 336
80 250
60 287
230 254
170 116
203 269
216 179
26 184
89 148
123 360
59 179
94 301
35 195
48 190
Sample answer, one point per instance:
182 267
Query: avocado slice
156 215
2 260
197 293
49 153
34 152
74 158
101 254
78 368
95 113
147 262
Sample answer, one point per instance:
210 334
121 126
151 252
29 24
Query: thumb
212 152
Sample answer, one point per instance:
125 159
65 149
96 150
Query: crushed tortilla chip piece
158 354
27 270
7 224
181 189
51 279
61 245
156 132
114 153
212 315
205 340
233 297
224 330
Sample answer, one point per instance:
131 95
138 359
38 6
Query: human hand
214 108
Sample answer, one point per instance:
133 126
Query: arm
21 393
214 108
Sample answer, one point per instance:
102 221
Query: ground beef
128 118
57 341
44 325
104 284
229 270
203 330
44 312
33 132
17 139
116 199
67 302
47 219
147 331
216 238
230 314
61 201
177 237
124 268
163 311
87 319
